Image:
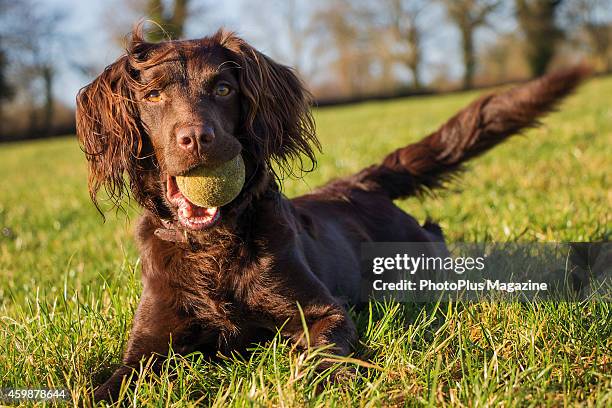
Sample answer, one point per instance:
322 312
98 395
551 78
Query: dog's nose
193 138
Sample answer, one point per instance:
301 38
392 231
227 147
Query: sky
91 41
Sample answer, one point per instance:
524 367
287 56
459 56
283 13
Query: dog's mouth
189 214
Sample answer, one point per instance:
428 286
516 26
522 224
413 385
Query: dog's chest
223 293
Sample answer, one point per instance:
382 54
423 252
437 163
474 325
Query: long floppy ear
277 114
111 135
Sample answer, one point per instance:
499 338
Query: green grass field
69 283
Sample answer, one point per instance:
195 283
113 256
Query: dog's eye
153 96
222 90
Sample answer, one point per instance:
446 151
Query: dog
219 279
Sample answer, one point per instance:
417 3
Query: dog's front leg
326 320
327 324
156 324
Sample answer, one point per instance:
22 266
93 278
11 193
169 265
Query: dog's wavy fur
240 280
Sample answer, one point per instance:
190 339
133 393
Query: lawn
69 283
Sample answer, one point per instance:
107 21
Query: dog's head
163 109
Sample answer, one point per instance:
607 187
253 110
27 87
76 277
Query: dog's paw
333 374
110 390
102 394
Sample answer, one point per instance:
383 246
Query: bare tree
405 23
342 27
590 17
293 19
537 21
468 16
34 36
294 15
503 60
6 90
42 46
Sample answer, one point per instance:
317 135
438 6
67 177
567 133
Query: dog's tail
488 121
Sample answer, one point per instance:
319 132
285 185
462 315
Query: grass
70 283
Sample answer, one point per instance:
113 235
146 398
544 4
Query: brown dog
221 278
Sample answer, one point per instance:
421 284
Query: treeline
34 47
352 48
345 50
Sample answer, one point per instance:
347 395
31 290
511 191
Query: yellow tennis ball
213 187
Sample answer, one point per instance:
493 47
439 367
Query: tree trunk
469 60
414 63
47 75
33 128
416 77
179 16
537 21
168 24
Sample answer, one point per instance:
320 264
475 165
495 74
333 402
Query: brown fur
243 278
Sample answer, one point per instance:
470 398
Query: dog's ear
111 135
277 116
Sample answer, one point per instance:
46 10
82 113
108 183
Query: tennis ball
213 187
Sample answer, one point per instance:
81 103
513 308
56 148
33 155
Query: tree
537 21
165 19
343 29
502 60
43 39
296 22
293 18
6 90
34 37
589 17
404 20
169 21
468 16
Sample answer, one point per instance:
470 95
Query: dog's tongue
187 209
190 215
